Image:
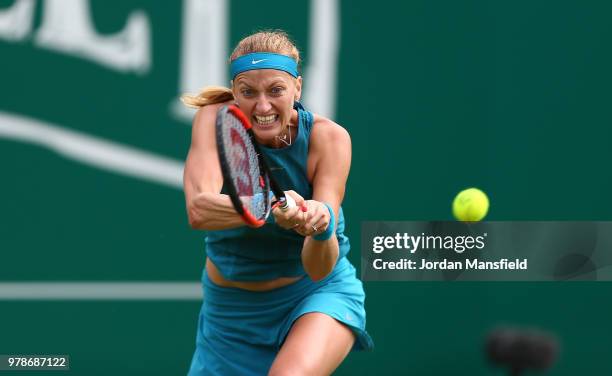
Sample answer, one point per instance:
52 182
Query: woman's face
266 97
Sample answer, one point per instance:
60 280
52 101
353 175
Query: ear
298 88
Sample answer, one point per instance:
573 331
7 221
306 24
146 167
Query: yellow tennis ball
470 205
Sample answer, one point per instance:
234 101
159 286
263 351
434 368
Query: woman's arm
330 149
207 209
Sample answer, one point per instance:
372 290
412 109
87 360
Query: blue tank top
269 252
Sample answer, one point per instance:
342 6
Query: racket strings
244 166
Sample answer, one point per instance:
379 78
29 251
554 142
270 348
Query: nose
263 105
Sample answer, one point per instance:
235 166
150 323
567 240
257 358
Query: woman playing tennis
281 299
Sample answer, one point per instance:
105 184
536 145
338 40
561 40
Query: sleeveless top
269 252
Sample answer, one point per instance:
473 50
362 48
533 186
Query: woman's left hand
317 219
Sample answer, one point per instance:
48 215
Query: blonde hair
275 41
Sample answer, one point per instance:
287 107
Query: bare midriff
215 276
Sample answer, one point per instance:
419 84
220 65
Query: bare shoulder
326 130
208 113
203 126
330 157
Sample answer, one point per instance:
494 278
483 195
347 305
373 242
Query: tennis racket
246 175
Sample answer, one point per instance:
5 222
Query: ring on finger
314 228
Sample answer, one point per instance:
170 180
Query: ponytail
208 95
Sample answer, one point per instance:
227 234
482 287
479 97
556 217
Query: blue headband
264 60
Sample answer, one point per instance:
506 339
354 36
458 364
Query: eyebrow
275 81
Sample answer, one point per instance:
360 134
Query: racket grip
288 203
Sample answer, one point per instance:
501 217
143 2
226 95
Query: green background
511 97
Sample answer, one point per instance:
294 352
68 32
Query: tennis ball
470 205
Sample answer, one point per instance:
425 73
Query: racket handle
289 202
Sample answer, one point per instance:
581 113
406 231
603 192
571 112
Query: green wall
512 97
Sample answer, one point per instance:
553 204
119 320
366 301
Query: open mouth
265 120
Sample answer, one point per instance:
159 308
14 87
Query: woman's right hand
291 217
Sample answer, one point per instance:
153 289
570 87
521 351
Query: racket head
244 174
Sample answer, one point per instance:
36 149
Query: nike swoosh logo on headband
258 61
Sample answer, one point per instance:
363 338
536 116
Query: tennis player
281 299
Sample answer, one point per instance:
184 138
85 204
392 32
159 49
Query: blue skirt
240 332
